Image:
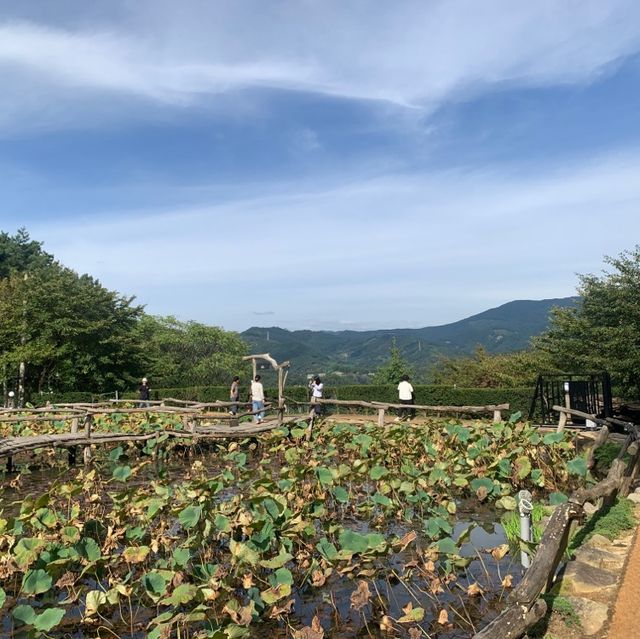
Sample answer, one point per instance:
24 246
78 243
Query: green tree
71 332
603 331
484 370
190 353
19 253
394 369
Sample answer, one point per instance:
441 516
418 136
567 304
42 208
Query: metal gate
589 393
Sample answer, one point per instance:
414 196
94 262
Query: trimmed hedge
429 395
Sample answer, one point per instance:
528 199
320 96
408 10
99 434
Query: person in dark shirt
144 394
234 395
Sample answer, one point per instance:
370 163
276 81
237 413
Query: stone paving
591 581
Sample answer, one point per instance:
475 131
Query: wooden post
280 396
86 453
71 454
599 441
255 368
497 416
380 416
561 422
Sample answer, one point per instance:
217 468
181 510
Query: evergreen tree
603 331
394 369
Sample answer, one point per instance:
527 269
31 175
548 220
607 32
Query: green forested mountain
355 354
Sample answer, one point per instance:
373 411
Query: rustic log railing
82 425
525 607
382 407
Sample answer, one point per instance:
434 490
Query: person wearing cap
144 394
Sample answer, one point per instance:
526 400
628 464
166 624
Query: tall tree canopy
19 253
603 331
189 353
486 370
67 332
71 332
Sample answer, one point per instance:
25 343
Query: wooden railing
382 407
525 607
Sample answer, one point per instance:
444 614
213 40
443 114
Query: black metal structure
588 392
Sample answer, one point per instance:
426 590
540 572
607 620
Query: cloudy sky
323 164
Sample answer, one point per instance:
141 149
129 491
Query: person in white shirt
406 396
257 399
317 388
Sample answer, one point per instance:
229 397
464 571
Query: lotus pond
356 532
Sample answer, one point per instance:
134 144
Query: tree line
61 331
602 332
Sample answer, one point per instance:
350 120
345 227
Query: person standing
406 396
257 399
234 395
144 393
317 389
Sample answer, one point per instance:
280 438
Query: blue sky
323 164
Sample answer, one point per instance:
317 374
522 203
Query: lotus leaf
36 582
93 601
275 593
122 473
190 516
183 594
277 562
88 549
578 466
522 467
26 551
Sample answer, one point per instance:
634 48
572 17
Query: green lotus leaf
154 583
122 473
26 551
181 556
222 523
190 516
341 494
36 582
24 614
325 477
377 472
88 549
578 466
277 562
183 594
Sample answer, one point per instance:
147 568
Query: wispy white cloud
392 251
410 53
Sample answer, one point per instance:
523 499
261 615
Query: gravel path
626 616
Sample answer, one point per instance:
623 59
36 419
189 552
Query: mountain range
351 356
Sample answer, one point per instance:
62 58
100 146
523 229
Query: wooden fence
525 605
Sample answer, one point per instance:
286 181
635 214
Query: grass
510 523
604 456
559 608
610 522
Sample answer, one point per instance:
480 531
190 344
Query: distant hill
353 355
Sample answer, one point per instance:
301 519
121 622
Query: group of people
256 394
406 397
